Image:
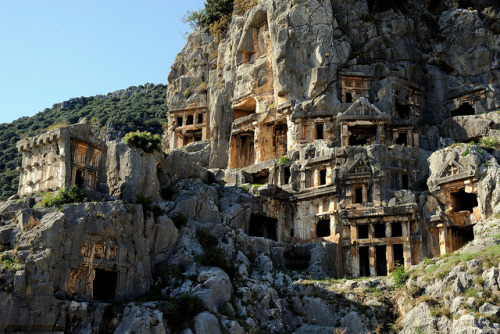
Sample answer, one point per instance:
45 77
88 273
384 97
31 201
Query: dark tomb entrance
464 110
262 226
381 260
358 195
461 235
319 131
402 139
404 181
398 254
379 230
105 285
363 231
286 170
348 98
364 261
323 228
297 259
79 182
396 229
363 135
403 111
322 177
463 201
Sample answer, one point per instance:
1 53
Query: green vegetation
284 160
446 262
206 238
213 256
167 272
179 219
145 140
140 108
490 143
399 275
179 311
217 14
10 262
65 196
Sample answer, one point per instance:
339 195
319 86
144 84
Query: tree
217 9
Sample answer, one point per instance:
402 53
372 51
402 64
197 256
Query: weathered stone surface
132 172
215 289
206 322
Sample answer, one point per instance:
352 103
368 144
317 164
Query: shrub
218 28
284 160
242 6
65 196
146 202
179 311
10 262
399 275
167 271
216 10
144 140
213 257
179 219
206 238
489 143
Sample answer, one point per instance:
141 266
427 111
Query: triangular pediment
359 166
362 107
452 168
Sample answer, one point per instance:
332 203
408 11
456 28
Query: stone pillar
344 135
443 234
354 251
389 254
373 263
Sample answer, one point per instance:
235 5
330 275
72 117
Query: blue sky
53 50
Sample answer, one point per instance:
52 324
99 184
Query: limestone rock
206 322
215 288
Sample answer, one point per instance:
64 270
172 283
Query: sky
54 50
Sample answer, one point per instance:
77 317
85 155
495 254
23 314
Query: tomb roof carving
363 109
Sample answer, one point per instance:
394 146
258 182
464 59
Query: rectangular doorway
104 286
364 261
381 260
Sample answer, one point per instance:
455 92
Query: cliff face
292 56
346 139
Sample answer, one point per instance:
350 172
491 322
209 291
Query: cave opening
297 260
465 109
262 226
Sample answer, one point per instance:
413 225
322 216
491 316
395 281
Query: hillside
135 108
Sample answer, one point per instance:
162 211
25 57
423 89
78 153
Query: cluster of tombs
339 195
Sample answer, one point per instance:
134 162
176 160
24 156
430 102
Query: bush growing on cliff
179 311
399 275
65 196
146 140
